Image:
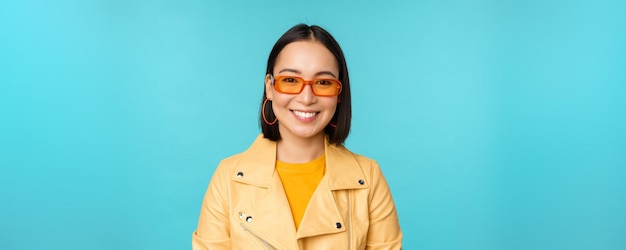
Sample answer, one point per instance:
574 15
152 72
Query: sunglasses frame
305 82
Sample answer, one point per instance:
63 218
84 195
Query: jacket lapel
270 213
323 213
343 169
257 163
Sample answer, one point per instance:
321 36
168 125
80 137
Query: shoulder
363 161
258 159
259 148
232 160
370 167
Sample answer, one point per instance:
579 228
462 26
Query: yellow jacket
245 206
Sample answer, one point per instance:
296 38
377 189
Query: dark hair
343 113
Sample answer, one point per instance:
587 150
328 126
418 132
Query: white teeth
304 114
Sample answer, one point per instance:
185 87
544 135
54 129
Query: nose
306 96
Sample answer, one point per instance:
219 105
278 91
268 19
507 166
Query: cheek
280 101
331 105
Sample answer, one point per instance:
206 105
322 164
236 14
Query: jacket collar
257 164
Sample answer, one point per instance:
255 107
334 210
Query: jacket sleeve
384 229
213 230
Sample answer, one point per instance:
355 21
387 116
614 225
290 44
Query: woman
297 187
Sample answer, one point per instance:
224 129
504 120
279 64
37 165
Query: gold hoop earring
263 114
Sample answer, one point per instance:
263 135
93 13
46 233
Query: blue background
498 124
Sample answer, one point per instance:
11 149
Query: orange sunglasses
294 85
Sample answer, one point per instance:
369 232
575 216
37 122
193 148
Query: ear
269 94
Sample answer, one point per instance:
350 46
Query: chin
307 133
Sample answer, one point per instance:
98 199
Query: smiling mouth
303 114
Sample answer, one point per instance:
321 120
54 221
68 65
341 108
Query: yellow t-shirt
300 181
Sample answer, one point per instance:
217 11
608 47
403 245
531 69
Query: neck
300 150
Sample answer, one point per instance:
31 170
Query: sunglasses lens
289 85
325 87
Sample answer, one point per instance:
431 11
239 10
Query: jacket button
338 225
361 182
241 215
240 174
249 219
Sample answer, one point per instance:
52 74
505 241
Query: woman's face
303 115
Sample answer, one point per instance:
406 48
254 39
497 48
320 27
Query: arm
384 230
213 225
